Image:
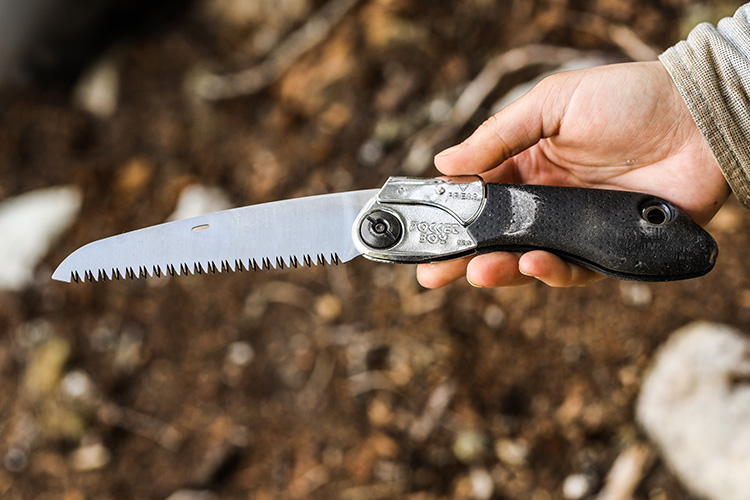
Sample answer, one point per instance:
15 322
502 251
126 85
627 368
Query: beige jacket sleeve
712 72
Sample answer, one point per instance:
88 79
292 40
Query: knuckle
493 127
491 124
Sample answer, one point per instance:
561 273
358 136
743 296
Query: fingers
437 274
509 269
496 269
510 131
506 269
555 271
489 270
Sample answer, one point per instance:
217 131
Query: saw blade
308 231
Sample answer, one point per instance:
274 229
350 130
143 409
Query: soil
344 382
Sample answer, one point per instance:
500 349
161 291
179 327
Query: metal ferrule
420 220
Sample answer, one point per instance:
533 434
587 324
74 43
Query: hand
622 126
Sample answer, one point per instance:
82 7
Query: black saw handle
624 235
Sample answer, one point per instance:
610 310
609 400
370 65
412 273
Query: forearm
711 69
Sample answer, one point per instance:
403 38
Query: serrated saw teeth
199 268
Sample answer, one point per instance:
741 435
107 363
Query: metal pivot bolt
380 229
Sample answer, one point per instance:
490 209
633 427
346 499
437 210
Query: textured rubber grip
625 235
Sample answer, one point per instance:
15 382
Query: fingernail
473 284
527 274
450 150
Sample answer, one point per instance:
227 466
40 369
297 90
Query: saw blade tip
63 275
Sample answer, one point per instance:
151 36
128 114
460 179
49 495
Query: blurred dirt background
345 382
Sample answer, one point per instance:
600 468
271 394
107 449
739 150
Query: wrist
717 120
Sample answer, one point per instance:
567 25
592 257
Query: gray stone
29 224
695 404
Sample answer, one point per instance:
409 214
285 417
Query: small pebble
482 485
469 446
197 200
371 153
97 91
34 333
76 385
90 457
636 294
512 452
440 110
576 486
494 316
328 307
193 495
15 460
240 353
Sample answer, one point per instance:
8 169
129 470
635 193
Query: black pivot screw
380 229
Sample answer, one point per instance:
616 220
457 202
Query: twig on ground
436 405
319 380
368 381
620 35
626 472
217 87
476 92
139 423
423 146
509 62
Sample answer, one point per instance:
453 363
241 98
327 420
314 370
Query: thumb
520 125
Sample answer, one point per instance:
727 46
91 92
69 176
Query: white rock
192 495
90 457
636 294
240 353
16 460
77 385
695 404
98 90
29 223
482 485
439 110
494 316
576 486
197 199
512 452
469 446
